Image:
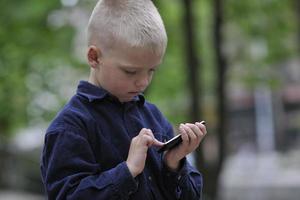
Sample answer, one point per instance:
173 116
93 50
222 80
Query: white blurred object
29 139
14 195
264 119
69 3
248 175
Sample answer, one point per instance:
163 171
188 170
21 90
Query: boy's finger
184 135
149 133
145 131
196 130
154 141
147 140
190 132
157 143
201 126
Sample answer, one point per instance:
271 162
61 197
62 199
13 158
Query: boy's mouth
134 93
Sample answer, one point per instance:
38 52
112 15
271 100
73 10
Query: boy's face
126 72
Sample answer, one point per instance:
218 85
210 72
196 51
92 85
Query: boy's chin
125 99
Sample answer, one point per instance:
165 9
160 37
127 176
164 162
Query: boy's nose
142 82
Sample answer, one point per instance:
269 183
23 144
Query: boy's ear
94 56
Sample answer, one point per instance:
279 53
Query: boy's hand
138 151
192 135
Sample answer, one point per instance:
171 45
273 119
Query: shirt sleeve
185 184
69 171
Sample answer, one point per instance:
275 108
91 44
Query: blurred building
285 105
263 161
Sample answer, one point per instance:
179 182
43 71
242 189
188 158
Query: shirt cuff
124 181
176 177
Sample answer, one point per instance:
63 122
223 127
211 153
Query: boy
102 145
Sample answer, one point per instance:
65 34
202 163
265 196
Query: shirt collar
94 93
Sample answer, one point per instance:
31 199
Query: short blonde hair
135 22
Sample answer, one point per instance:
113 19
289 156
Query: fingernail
202 122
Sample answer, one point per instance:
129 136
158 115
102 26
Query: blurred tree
211 171
255 37
28 45
192 61
297 9
168 89
259 34
220 91
193 69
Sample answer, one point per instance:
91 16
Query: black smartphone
171 143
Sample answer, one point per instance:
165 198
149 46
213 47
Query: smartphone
172 142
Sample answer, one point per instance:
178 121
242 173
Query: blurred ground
249 175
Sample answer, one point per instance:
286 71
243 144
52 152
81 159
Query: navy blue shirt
87 144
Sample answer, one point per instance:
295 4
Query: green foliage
258 35
36 59
261 34
27 45
168 88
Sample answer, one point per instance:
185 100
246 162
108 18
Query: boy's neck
93 80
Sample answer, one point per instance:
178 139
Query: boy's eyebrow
137 68
128 66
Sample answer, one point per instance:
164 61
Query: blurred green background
232 63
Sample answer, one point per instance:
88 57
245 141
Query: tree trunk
193 66
192 62
297 7
221 71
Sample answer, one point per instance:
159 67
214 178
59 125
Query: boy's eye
151 71
130 72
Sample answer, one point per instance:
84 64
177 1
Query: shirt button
150 178
179 177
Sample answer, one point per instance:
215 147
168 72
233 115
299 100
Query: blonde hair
135 22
